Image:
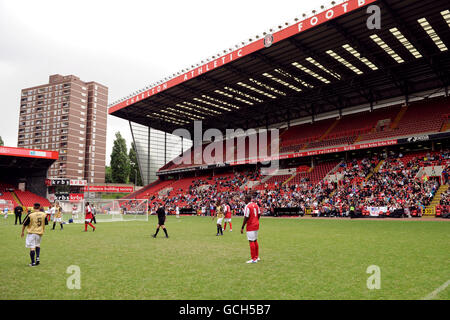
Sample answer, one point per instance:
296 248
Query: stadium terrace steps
17 200
436 199
316 174
399 117
358 139
289 179
335 123
28 199
445 125
377 168
141 191
150 190
274 180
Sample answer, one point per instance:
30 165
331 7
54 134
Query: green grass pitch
301 259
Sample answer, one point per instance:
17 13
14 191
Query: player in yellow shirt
220 215
35 223
58 216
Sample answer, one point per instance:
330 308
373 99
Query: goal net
72 210
113 210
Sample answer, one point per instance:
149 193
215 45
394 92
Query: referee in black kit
161 212
18 213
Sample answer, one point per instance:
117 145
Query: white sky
124 45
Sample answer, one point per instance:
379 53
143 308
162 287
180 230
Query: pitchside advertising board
64 196
119 189
65 182
290 31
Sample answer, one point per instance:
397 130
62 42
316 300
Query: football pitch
300 259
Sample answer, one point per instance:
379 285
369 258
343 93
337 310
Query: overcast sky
125 45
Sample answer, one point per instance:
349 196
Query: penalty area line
433 294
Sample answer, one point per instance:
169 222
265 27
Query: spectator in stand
393 186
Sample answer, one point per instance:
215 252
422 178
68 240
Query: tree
108 175
1 142
120 162
135 173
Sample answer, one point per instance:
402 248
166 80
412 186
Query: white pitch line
433 294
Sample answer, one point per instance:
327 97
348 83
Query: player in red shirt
88 217
252 213
227 210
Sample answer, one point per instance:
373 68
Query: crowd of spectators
394 186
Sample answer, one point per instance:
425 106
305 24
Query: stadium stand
416 121
28 199
382 123
6 193
361 182
25 198
387 180
351 139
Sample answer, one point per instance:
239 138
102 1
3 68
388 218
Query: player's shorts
57 220
219 220
227 220
162 221
252 235
87 220
33 240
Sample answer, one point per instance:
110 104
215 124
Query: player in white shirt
74 211
5 212
52 211
177 210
